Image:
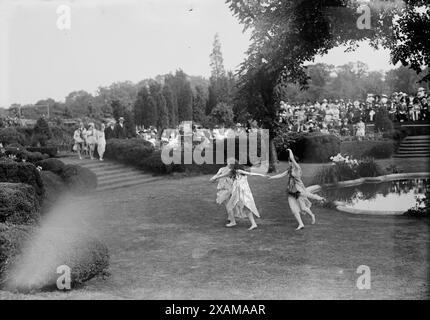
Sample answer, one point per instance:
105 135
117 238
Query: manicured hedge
54 165
316 147
18 203
22 154
362 149
86 257
381 150
20 172
51 151
130 151
11 135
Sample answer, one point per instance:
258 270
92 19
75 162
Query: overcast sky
118 40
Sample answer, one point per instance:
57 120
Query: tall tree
199 105
171 104
286 34
141 105
218 83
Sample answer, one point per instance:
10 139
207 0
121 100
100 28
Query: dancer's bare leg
295 209
252 220
309 212
231 218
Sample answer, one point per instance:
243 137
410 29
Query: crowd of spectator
348 117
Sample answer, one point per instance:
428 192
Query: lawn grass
168 241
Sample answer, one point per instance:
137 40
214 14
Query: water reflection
399 195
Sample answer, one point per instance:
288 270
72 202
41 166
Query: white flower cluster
339 158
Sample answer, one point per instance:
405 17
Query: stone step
121 177
117 173
411 148
105 171
412 156
124 184
417 138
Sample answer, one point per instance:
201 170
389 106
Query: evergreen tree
171 105
218 87
163 114
199 105
118 109
42 133
141 105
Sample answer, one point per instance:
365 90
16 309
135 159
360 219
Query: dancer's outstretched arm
293 160
251 173
278 176
219 176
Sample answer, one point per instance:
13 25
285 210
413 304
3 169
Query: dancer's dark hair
235 168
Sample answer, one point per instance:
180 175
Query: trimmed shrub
18 204
51 151
129 151
79 179
11 135
86 257
381 150
369 168
20 172
54 165
23 155
316 147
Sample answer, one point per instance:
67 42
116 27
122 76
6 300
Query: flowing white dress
101 143
224 186
241 197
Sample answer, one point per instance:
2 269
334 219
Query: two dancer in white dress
235 193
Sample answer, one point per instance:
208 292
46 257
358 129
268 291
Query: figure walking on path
298 196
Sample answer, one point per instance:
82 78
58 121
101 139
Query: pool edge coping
340 206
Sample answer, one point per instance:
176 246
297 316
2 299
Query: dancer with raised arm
298 196
241 202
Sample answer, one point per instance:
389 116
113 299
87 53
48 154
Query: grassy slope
167 240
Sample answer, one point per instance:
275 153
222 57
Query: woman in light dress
241 203
298 196
361 130
225 183
91 139
101 141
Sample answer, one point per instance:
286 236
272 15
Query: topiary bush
11 135
54 165
20 172
22 155
18 204
369 168
129 151
79 179
51 151
382 150
315 147
86 257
